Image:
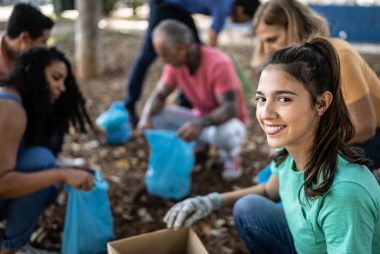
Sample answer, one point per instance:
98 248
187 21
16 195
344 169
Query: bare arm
154 104
227 110
269 190
16 184
364 123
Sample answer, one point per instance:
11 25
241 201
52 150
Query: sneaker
232 169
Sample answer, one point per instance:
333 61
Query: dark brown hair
315 64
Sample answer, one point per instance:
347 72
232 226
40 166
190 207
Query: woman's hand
79 179
185 213
100 134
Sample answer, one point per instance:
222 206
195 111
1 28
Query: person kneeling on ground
39 100
207 77
331 201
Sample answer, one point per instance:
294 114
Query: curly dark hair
44 118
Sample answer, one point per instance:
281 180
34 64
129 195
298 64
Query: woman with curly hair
39 100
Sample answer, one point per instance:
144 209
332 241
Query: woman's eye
272 39
283 99
260 99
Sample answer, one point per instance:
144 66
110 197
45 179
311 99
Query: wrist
205 122
61 175
216 200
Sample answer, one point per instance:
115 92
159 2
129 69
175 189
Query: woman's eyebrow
277 92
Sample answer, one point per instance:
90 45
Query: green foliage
134 4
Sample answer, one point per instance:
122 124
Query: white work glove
185 213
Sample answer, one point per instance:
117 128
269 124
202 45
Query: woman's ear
323 102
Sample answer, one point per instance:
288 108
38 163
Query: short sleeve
169 76
225 78
353 80
348 218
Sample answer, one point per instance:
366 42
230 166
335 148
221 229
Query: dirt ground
134 212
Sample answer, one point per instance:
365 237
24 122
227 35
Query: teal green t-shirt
344 220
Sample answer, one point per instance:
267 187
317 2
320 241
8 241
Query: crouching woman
331 201
39 100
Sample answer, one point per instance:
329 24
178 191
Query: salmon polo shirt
215 75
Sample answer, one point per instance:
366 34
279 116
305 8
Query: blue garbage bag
115 122
170 163
88 223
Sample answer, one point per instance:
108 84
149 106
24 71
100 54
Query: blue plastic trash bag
115 122
88 223
170 163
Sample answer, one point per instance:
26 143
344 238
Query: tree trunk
86 38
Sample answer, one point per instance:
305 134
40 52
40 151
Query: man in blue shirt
240 11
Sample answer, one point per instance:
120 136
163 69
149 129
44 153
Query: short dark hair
27 18
249 6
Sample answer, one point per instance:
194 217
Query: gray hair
175 33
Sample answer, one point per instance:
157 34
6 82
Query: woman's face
284 110
271 37
56 74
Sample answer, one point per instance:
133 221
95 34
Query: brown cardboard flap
166 241
194 245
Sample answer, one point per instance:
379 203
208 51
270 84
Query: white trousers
227 137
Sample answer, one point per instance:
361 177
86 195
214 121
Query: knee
231 134
35 158
246 205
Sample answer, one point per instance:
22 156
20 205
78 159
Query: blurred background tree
134 4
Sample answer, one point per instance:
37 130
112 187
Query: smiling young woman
279 24
331 201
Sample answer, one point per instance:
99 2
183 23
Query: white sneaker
232 169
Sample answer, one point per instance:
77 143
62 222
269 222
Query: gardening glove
185 213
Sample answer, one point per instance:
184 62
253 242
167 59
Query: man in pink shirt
27 28
207 77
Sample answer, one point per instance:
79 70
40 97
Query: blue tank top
9 96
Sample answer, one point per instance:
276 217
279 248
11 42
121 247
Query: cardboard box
166 241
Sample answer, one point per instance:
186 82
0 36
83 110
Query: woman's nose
62 86
268 111
268 49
